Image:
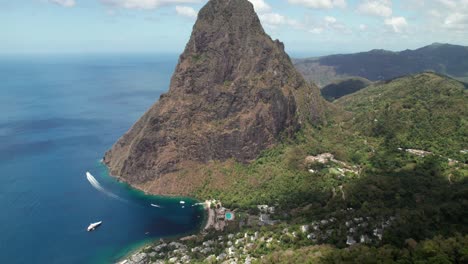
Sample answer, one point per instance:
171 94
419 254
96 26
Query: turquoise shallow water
59 114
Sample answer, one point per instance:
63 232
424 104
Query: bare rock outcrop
233 94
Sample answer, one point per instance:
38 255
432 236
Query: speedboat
93 226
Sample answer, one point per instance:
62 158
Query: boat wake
98 187
155 205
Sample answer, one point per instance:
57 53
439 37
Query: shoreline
135 248
141 246
121 180
209 220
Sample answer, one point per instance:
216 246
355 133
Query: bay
58 116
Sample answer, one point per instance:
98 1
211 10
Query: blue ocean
59 114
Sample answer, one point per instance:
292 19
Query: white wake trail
98 186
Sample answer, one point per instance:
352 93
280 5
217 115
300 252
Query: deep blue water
58 115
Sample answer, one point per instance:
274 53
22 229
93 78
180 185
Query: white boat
182 202
155 205
93 226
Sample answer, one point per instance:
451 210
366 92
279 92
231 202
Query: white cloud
332 23
443 15
260 6
398 24
434 13
448 3
414 4
327 24
273 19
65 3
381 8
458 21
322 4
317 30
339 3
186 11
362 27
144 4
330 19
451 15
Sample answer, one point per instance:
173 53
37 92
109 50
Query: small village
215 245
230 248
236 236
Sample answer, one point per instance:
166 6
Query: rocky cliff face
234 93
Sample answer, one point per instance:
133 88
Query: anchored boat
93 226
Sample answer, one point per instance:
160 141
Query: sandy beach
211 215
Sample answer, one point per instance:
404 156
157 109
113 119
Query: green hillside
425 111
426 196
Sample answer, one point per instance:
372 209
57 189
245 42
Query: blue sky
307 27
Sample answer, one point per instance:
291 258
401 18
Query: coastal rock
234 93
139 258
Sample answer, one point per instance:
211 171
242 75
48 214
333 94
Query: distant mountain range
376 65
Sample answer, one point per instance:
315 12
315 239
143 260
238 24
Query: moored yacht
93 226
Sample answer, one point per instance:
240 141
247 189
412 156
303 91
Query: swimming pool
229 216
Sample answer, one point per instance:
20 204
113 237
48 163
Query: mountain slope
233 94
424 111
378 65
371 202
